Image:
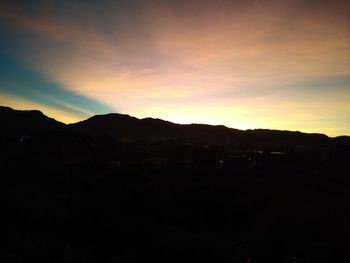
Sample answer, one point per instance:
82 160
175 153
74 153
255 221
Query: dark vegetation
117 189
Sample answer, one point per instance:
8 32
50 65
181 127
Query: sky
245 64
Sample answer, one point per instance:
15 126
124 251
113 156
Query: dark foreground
100 212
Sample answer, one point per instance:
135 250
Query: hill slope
145 129
26 122
18 122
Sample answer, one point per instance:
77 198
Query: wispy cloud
197 61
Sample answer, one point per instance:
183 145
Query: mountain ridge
124 125
26 121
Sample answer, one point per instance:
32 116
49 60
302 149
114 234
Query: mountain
125 126
146 129
18 122
26 122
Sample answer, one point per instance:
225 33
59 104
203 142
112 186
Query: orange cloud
237 64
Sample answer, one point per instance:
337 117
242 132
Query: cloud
191 58
18 81
20 103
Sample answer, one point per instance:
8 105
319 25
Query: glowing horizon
243 64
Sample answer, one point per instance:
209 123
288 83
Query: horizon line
192 123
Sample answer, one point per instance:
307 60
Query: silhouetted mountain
120 125
25 122
130 127
145 129
124 126
277 137
343 139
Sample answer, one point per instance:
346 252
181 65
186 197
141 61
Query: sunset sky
245 64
